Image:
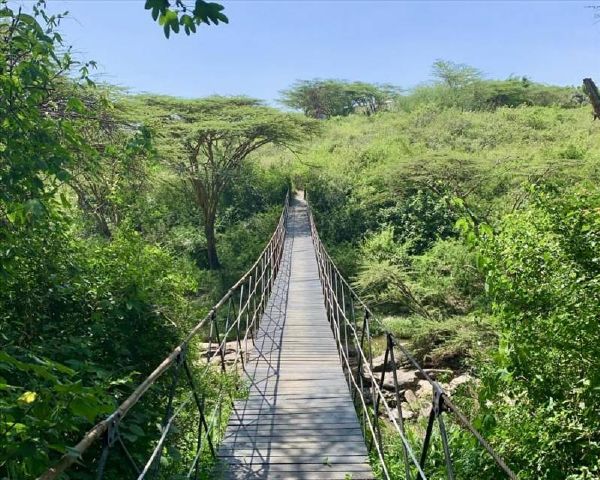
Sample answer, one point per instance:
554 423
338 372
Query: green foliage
99 249
542 274
214 137
35 149
464 87
455 75
42 404
447 277
69 305
468 219
172 15
452 342
442 280
330 98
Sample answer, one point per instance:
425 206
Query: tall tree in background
455 75
215 136
331 98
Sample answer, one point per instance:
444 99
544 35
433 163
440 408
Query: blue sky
269 44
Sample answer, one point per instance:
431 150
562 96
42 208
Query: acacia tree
455 75
331 98
215 136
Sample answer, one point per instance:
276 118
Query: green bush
541 389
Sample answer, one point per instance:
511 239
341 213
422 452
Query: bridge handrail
341 300
263 271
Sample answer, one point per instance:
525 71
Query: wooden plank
346 448
318 465
285 457
296 414
244 475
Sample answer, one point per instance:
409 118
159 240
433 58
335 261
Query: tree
34 146
591 91
455 75
331 98
111 177
215 135
172 15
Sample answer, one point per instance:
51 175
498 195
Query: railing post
219 346
390 346
247 306
238 321
199 404
250 317
108 442
438 405
427 440
377 395
346 338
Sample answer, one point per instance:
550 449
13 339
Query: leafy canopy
455 75
173 15
330 98
214 137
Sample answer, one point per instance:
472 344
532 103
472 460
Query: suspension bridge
299 338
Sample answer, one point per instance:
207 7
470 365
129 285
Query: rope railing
232 320
350 319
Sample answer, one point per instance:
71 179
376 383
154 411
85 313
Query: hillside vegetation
475 234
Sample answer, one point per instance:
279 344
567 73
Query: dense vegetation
469 216
466 211
104 264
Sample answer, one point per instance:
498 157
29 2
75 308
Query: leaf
28 397
83 408
137 430
167 17
64 200
75 105
157 7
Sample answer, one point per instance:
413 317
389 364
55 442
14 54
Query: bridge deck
298 421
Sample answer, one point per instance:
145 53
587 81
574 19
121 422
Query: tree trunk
592 92
211 242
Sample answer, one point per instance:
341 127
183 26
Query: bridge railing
229 326
351 320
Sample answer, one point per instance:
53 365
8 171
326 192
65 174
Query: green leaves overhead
172 15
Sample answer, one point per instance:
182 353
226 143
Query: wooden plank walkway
298 421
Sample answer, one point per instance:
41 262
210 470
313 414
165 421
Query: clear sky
269 44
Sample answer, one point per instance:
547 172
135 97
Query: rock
230 358
424 390
426 409
421 400
228 348
411 399
434 373
407 413
406 379
378 365
460 380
